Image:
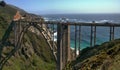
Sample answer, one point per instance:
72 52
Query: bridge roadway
77 23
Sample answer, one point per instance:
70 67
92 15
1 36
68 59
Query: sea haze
102 32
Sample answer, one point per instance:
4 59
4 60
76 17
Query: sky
67 6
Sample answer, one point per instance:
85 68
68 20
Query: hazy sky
67 6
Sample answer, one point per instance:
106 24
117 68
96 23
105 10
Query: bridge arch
18 43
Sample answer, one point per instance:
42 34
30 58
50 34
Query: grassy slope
104 57
6 15
34 53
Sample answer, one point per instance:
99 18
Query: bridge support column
91 37
111 33
59 47
80 38
75 41
17 31
94 35
66 41
63 46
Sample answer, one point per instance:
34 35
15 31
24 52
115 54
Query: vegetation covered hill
103 57
34 53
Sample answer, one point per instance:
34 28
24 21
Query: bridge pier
17 31
93 35
63 45
75 41
59 48
80 38
111 33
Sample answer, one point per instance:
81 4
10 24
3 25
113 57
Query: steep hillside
103 57
34 53
19 9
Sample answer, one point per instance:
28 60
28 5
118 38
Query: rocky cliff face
34 53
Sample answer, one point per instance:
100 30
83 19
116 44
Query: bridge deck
78 23
85 23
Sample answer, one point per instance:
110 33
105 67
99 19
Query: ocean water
102 33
